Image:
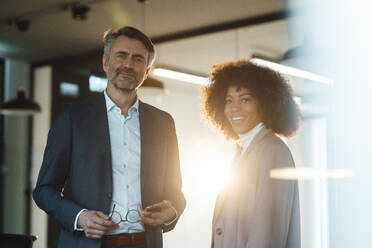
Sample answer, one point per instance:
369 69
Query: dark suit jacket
78 149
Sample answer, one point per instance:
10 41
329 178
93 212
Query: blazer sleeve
173 180
48 193
276 222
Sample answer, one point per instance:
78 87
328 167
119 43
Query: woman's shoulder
273 148
273 141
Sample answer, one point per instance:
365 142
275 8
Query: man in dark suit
118 155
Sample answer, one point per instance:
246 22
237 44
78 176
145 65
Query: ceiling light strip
293 71
181 76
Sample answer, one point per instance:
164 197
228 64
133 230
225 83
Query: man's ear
147 72
104 63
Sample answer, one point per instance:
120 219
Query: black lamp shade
16 240
20 106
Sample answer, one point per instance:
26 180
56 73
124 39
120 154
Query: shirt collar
110 104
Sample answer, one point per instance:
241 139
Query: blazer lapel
264 131
221 200
146 132
99 120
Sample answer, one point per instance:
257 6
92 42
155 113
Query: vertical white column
41 126
309 149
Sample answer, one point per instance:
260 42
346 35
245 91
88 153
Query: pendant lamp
20 105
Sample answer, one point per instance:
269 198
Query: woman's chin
240 130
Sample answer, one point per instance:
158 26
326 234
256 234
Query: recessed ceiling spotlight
79 12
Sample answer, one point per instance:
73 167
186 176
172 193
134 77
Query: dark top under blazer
78 149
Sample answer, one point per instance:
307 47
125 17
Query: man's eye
246 100
228 101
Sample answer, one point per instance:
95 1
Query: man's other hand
95 223
157 214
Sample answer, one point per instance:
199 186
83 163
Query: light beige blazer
255 211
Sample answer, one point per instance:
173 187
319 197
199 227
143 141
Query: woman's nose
235 106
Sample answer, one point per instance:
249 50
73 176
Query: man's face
126 67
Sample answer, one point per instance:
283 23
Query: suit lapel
146 127
100 122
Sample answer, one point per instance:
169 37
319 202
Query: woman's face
241 109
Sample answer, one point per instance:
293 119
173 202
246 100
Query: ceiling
53 33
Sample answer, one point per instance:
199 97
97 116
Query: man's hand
157 214
95 223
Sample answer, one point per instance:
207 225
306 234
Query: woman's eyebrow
245 94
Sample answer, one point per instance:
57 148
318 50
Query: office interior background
53 50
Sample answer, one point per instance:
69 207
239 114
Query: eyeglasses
132 216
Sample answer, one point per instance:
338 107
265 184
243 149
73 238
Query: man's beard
130 81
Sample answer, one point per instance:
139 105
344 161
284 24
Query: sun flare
207 167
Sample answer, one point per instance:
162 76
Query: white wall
309 150
341 29
41 126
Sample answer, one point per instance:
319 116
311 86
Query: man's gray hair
110 36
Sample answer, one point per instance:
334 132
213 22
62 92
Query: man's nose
128 63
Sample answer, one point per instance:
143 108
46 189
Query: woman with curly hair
253 105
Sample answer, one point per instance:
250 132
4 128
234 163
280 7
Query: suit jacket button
109 196
219 231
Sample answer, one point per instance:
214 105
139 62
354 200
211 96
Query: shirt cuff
175 218
76 228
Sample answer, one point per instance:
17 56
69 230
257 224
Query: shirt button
127 186
219 231
125 143
125 166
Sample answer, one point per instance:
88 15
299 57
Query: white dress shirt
125 141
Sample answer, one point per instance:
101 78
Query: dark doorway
2 74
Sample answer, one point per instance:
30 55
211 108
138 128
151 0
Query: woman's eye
228 101
246 100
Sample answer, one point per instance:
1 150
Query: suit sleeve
173 180
48 193
277 221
